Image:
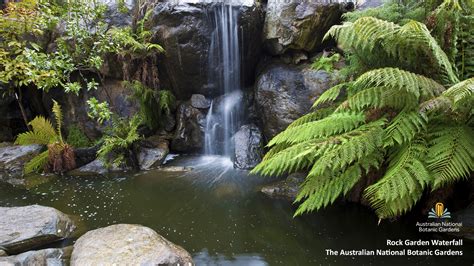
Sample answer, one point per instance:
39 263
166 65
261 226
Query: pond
219 216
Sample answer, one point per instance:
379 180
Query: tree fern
58 116
43 133
404 127
37 163
451 154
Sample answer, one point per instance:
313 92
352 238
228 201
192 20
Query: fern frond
37 163
378 97
404 127
313 116
403 183
329 95
58 116
43 133
334 124
451 154
461 92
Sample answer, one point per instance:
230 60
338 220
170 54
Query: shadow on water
217 214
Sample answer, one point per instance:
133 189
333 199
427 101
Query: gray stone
176 169
13 159
49 257
149 158
248 147
184 30
189 135
286 92
97 167
24 228
127 244
3 253
287 188
299 25
200 101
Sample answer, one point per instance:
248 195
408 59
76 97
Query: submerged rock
24 228
97 167
51 256
12 162
189 134
287 188
248 147
286 92
127 244
299 25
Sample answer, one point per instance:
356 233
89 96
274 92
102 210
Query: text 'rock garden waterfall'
224 114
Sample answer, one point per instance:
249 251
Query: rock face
286 92
12 160
51 256
24 228
184 28
189 134
248 147
200 101
127 244
298 24
152 156
287 188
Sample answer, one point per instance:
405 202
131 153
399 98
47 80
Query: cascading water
225 64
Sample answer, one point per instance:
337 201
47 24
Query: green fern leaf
37 163
404 127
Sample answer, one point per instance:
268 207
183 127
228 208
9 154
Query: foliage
76 137
59 156
98 110
116 148
326 63
412 121
149 100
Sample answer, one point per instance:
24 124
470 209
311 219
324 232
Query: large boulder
24 228
286 92
184 29
299 25
127 244
98 167
50 256
13 159
153 155
248 148
189 136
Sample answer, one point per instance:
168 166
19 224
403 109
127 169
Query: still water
219 216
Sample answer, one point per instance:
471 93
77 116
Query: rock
285 93
50 256
287 188
200 101
176 169
13 159
97 167
11 116
189 134
364 4
153 157
466 217
248 149
85 155
299 25
127 244
3 253
24 228
184 30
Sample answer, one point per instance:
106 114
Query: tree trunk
23 113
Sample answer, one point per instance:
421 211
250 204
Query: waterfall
224 114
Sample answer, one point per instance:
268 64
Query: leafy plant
414 118
76 137
59 157
326 63
98 110
116 148
154 104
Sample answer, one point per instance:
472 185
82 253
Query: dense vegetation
405 109
64 44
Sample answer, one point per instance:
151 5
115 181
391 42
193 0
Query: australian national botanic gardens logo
439 221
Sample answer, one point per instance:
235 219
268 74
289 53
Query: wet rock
51 256
13 159
184 30
3 253
24 228
176 169
127 244
98 167
286 92
85 155
466 217
299 25
189 134
200 101
248 147
152 157
287 188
